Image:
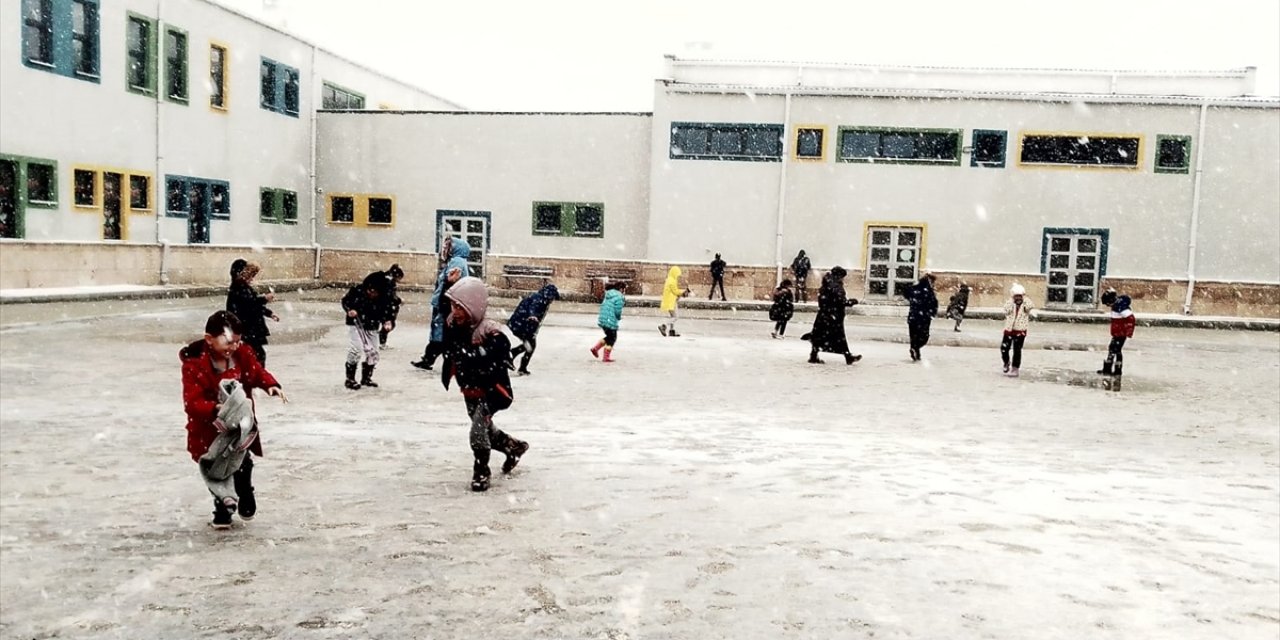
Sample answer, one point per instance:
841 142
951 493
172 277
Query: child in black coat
783 308
957 304
478 354
367 312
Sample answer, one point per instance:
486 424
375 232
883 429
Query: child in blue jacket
610 316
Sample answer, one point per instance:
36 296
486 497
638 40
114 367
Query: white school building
196 135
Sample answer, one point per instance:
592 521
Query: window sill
86 207
382 225
42 204
177 99
40 64
142 91
557 232
219 216
215 107
588 235
146 211
341 223
1176 172
927 163
1060 165
175 214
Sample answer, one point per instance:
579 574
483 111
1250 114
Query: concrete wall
983 220
499 163
27 265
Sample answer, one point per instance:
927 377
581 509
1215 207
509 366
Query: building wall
496 163
104 126
977 219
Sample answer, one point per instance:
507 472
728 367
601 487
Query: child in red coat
1122 323
219 356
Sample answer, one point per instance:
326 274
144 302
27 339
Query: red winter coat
1122 324
200 391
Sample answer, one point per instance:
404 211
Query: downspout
157 183
312 175
1195 211
782 189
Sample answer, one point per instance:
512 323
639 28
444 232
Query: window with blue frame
281 87
988 148
201 197
62 37
726 141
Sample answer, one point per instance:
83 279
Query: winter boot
243 478
1106 367
662 328
522 371
915 354
222 510
813 357
774 335
516 449
1118 370
366 376
672 333
608 354
1013 372
849 358
595 351
351 377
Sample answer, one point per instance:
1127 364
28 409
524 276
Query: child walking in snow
367 312
1017 319
957 304
671 294
478 354
527 319
250 307
221 433
783 308
609 319
1122 324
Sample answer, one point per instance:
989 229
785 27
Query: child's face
459 316
1017 299
223 344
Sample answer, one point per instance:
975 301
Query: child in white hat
1017 318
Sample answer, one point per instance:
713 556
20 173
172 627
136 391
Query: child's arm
193 398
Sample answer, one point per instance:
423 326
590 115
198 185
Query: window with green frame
140 54
576 219
62 37
896 145
175 64
334 97
1173 154
726 141
278 206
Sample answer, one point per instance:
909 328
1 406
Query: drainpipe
782 189
312 176
1195 211
157 183
164 262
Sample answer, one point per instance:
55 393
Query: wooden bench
522 274
597 276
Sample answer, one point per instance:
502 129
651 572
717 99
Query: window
1080 150
267 199
380 211
86 187
342 209
139 193
140 54
218 77
809 143
278 206
176 199
61 36
581 219
900 146
41 187
220 200
289 207
1173 154
702 141
335 97
546 218
988 148
175 64
280 86
37 31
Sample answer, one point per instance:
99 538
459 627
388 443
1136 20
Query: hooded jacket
529 314
959 302
200 387
477 353
1122 319
370 312
611 310
923 301
671 290
459 253
783 305
251 309
828 326
801 265
1017 319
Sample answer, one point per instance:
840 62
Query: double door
1073 266
893 259
471 226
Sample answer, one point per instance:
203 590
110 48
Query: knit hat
1017 290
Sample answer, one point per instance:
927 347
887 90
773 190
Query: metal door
893 259
473 227
1073 265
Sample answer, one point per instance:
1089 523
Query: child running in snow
478 354
609 319
1122 324
207 364
671 294
527 319
957 305
367 309
1017 319
783 308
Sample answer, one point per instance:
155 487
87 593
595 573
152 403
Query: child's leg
1005 344
481 421
671 322
1017 350
610 338
243 478
529 345
355 345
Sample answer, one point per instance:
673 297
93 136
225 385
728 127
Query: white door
893 259
475 230
1073 264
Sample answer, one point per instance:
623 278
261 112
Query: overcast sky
602 55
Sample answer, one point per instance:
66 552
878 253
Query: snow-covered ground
711 486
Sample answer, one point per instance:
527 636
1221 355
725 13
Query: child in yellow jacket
671 294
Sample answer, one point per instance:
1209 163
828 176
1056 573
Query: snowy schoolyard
710 486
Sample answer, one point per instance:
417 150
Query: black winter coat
252 311
370 312
828 327
783 306
481 369
923 301
958 303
